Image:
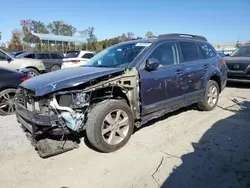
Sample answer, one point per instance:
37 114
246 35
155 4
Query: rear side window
189 51
207 50
88 55
42 56
56 56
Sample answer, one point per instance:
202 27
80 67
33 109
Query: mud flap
48 148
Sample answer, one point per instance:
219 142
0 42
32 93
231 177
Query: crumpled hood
66 78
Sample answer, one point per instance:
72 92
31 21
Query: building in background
227 47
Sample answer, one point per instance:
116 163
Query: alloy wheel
7 102
212 95
115 127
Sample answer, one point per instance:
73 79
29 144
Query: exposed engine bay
55 122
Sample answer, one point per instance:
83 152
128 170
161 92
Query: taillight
223 61
75 61
25 78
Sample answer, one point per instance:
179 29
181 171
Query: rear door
195 69
57 58
161 88
47 61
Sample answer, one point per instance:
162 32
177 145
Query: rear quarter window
189 51
207 50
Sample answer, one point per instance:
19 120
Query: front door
161 88
4 62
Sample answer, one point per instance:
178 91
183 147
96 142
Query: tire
205 105
55 68
97 119
8 104
33 72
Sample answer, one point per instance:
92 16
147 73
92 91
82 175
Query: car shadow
221 158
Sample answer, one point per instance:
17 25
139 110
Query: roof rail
180 35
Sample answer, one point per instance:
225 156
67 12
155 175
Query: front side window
165 54
243 51
118 56
3 56
189 51
207 50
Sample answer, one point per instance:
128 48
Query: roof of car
171 36
155 40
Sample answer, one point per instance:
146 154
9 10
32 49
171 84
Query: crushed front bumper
37 124
46 136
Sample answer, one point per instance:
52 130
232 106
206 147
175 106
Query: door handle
206 66
179 72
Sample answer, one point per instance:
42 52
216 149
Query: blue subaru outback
123 86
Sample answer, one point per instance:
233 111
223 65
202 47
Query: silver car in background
35 67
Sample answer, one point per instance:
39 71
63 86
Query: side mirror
152 64
9 59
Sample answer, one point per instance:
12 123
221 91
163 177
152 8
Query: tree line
61 28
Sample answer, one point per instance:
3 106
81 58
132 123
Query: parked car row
35 67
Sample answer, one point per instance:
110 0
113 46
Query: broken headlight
73 100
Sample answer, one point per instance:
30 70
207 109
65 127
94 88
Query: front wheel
211 97
110 125
33 72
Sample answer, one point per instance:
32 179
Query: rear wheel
33 72
7 98
110 125
211 97
55 67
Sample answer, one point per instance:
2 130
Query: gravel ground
184 149
11 135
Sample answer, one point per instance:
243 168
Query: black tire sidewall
95 127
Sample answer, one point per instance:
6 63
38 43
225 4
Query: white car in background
76 58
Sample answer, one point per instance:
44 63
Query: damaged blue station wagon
123 86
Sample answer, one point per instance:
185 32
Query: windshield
118 56
243 51
72 54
